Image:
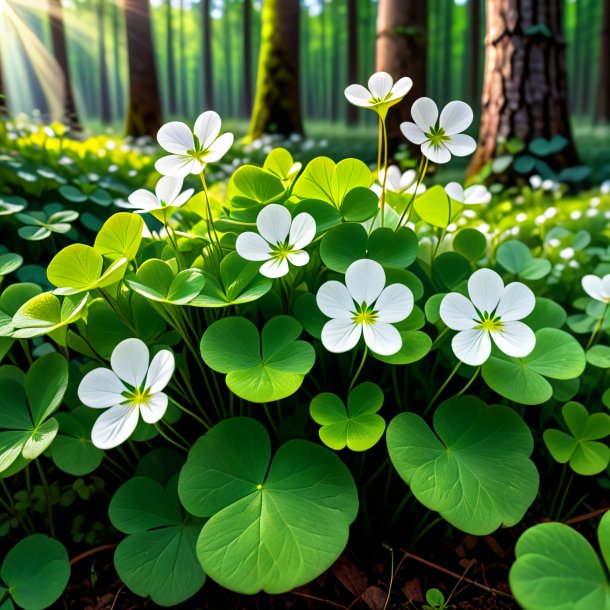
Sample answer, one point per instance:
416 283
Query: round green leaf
272 527
470 243
474 469
120 236
435 208
358 427
359 204
10 262
599 355
36 571
251 185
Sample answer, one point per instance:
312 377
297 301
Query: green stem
167 438
385 171
188 412
379 145
47 492
359 370
271 422
443 232
564 497
477 371
445 383
598 327
211 227
422 172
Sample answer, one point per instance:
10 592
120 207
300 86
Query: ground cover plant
232 379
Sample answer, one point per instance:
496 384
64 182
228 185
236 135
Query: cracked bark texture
401 51
525 93
277 106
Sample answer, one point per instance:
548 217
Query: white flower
597 288
382 93
397 182
167 195
493 310
192 149
131 388
535 182
363 307
605 187
440 138
280 240
473 195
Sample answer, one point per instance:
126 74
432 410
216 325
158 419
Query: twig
319 599
587 516
97 549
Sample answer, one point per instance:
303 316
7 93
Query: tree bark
474 66
58 42
247 25
401 51
105 110
169 59
277 107
525 84
144 115
602 111
353 112
208 74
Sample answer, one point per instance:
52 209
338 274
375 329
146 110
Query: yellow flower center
138 397
364 314
490 323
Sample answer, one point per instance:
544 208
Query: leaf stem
423 165
359 370
445 383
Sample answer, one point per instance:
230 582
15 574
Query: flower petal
181 199
424 113
335 301
207 128
275 267
485 288
219 148
340 336
380 85
302 231
154 409
516 339
168 188
407 179
382 338
160 371
176 138
101 388
594 287
299 258
175 165
358 95
394 304
436 154
273 223
516 302
413 133
365 280
461 145
143 200
472 346
476 194
457 312
392 180
455 191
114 426
606 285
129 361
401 87
252 247
455 117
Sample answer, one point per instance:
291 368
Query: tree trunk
602 111
474 65
208 74
144 110
525 85
58 41
228 57
170 65
353 112
277 108
447 51
247 25
183 64
3 104
401 51
106 111
116 53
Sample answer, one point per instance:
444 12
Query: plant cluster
248 362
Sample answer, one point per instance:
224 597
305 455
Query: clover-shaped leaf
79 268
239 282
557 355
251 186
516 258
41 223
9 262
120 236
281 164
349 242
157 280
26 425
275 524
358 427
35 572
581 448
11 205
258 368
558 569
11 299
435 208
157 558
474 468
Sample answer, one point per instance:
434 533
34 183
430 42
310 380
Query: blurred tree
3 105
525 93
106 109
277 107
169 58
208 73
184 109
247 58
58 42
116 54
473 61
401 51
228 57
353 113
144 110
602 111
